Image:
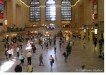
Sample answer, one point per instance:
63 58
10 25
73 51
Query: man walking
55 50
41 60
51 61
29 55
17 49
65 56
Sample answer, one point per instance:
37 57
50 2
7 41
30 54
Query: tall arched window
66 10
34 10
50 10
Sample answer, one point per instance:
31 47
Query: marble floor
87 56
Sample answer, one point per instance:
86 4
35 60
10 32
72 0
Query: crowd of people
15 47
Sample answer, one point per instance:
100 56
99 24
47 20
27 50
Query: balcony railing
11 29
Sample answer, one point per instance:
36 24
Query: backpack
52 60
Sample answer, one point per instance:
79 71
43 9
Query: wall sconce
84 30
84 27
43 25
7 35
5 22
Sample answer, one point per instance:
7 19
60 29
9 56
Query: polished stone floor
87 56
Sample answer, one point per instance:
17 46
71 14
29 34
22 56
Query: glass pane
66 10
50 10
35 10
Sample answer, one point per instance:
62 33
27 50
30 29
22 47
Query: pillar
10 12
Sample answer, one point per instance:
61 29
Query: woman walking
21 58
51 61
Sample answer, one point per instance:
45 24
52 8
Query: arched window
66 10
50 10
34 10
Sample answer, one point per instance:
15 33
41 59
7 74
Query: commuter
65 56
5 45
21 44
33 49
68 49
6 54
17 49
21 58
10 53
83 68
51 61
54 42
41 46
30 67
55 50
101 42
95 41
18 68
47 45
29 55
41 60
50 42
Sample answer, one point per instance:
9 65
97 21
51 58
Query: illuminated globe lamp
36 32
13 35
47 34
43 24
5 22
84 28
7 36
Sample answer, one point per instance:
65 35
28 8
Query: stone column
100 19
10 13
58 12
18 16
23 16
43 14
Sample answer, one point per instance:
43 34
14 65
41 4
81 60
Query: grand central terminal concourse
51 36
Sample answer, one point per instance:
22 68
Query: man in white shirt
10 53
29 55
17 49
